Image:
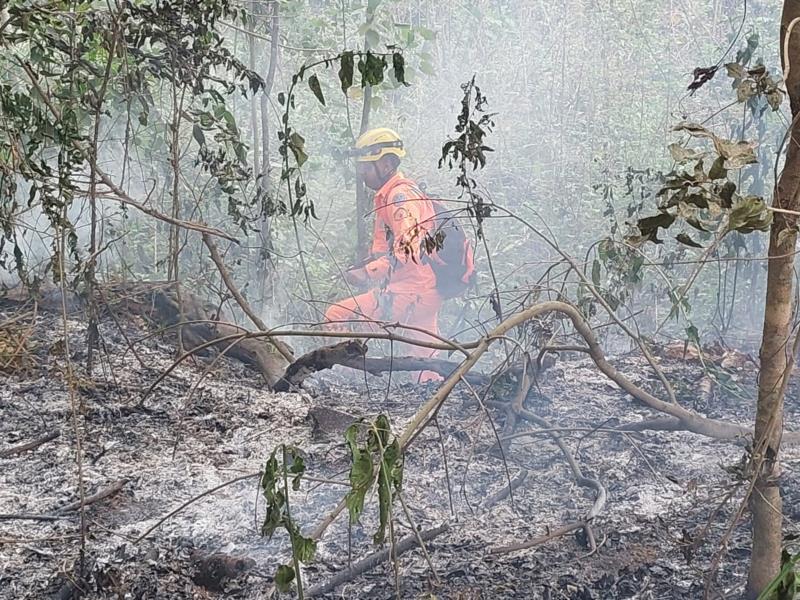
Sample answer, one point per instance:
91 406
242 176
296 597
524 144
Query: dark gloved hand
356 276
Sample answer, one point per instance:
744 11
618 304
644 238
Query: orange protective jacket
403 216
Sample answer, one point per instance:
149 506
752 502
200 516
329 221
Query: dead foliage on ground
146 457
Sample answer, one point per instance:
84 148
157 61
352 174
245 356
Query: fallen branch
351 354
690 421
370 562
241 338
156 301
29 445
503 493
104 493
226 278
31 517
663 424
319 360
555 533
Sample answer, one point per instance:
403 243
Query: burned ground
663 487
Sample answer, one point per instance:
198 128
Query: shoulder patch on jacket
399 198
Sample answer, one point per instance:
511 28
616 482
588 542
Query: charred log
158 302
352 354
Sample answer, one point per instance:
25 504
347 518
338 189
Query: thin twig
371 561
100 495
518 480
191 501
31 517
29 445
555 533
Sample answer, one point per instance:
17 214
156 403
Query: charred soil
662 522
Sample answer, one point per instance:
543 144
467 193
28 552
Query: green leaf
361 473
745 90
241 153
749 214
313 83
284 578
399 68
197 132
350 436
737 154
346 65
699 174
700 200
297 146
694 222
726 194
596 273
282 98
298 468
774 98
390 479
685 239
371 67
718 170
299 189
649 226
693 129
304 547
361 477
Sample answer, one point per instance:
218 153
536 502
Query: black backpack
446 248
453 261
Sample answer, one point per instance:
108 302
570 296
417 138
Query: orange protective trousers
415 309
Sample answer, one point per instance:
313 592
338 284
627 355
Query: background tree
777 346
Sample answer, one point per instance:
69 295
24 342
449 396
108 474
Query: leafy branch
705 197
381 449
372 67
129 52
275 489
469 149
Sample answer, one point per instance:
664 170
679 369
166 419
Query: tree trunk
362 198
265 234
252 51
777 352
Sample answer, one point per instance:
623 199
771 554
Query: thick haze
582 91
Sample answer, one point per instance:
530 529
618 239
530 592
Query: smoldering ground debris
661 486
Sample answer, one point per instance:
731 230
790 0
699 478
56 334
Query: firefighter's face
375 173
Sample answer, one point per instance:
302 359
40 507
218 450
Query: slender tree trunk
252 51
265 234
777 352
362 198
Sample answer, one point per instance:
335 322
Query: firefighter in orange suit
403 285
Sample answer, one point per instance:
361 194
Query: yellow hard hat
374 144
